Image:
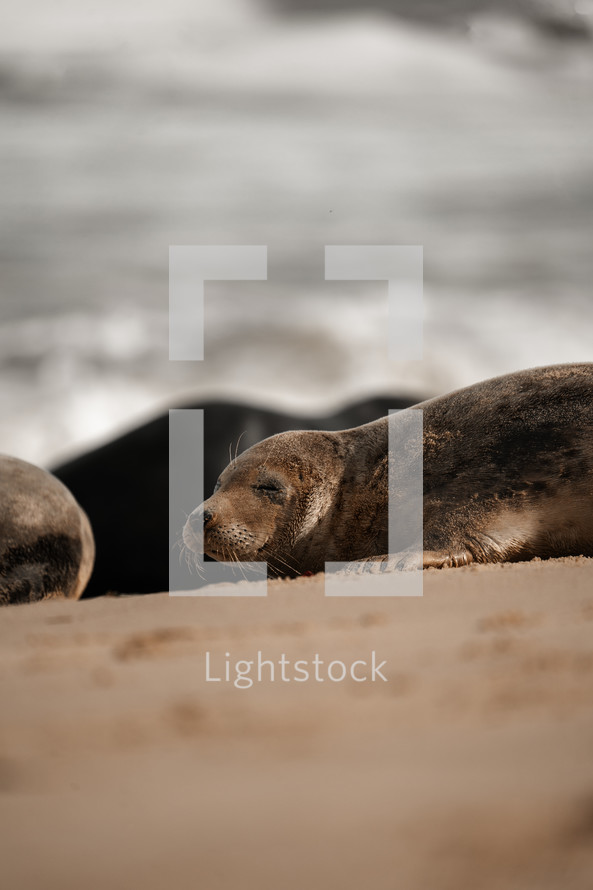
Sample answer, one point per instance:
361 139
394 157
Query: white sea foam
137 127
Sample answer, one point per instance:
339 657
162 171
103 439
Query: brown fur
46 542
508 475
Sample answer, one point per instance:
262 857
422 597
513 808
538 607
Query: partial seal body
508 475
46 542
124 484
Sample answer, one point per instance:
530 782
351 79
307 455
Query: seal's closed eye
271 488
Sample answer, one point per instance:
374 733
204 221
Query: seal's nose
208 516
201 518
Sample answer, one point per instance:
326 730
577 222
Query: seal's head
268 502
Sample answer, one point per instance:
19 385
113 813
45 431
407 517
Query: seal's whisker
278 564
234 561
179 540
237 445
186 556
270 564
199 567
285 558
271 557
241 568
190 559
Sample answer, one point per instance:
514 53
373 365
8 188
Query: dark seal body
508 475
46 543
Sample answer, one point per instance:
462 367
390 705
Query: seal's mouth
226 545
228 553
220 553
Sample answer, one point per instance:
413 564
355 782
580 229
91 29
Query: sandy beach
126 758
122 765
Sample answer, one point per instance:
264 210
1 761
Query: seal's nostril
207 516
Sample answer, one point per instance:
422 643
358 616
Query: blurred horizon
462 126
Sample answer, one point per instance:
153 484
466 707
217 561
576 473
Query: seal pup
508 476
46 543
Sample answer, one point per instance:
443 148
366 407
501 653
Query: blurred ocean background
466 127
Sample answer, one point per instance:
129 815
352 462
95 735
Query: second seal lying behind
508 475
